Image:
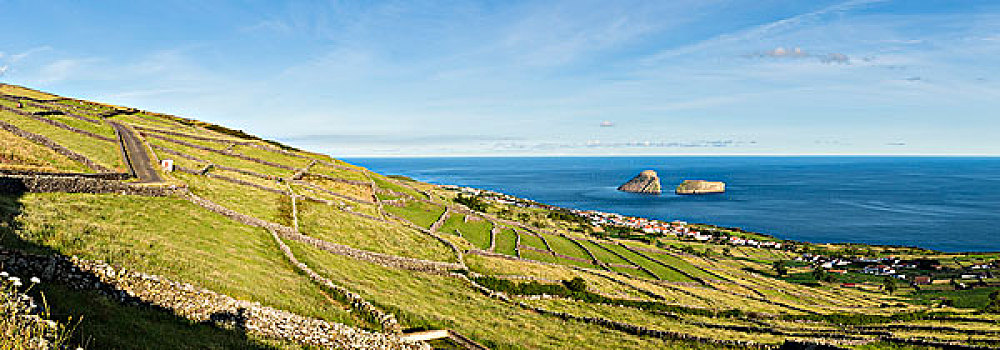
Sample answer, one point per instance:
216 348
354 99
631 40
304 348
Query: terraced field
361 245
475 230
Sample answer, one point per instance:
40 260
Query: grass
331 224
320 168
220 159
665 273
505 241
531 240
20 154
244 199
102 325
434 301
100 129
101 152
419 213
549 258
603 254
169 237
271 156
476 230
25 92
386 183
682 265
970 298
360 192
564 246
22 327
632 272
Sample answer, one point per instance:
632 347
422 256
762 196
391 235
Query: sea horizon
789 197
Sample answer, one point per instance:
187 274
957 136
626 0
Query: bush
994 306
576 284
22 326
563 290
473 203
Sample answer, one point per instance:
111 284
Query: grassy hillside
633 290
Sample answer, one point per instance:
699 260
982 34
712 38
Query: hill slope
250 243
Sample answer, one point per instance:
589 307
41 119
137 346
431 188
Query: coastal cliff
647 182
700 187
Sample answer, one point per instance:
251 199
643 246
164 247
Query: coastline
935 204
765 235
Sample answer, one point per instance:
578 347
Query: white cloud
757 32
15 58
60 70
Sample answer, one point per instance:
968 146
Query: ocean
948 204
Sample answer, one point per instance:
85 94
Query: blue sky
536 78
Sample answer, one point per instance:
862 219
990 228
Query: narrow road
135 154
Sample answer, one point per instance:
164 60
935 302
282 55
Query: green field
506 240
476 230
419 213
739 297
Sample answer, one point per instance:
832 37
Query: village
920 274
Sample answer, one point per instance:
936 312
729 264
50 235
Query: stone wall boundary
57 124
78 184
619 326
286 232
335 179
190 136
373 314
335 194
102 176
684 273
56 107
219 151
454 248
45 141
196 304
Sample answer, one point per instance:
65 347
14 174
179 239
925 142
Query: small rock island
647 182
700 187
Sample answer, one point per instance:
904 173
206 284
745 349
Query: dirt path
135 154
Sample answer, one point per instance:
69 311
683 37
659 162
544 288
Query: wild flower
18 284
36 280
13 279
4 274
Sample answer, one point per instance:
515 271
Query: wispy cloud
757 32
799 53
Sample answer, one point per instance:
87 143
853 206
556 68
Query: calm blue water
949 204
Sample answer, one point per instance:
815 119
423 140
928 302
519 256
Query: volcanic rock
647 182
700 187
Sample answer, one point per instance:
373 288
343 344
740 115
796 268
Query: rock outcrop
647 182
701 187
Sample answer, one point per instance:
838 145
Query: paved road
137 158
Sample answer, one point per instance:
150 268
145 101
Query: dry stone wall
219 151
385 320
45 141
197 304
339 249
57 124
78 184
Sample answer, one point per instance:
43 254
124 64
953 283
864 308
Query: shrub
994 306
473 203
22 325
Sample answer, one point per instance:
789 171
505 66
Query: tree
576 284
473 203
994 305
819 274
780 268
889 284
